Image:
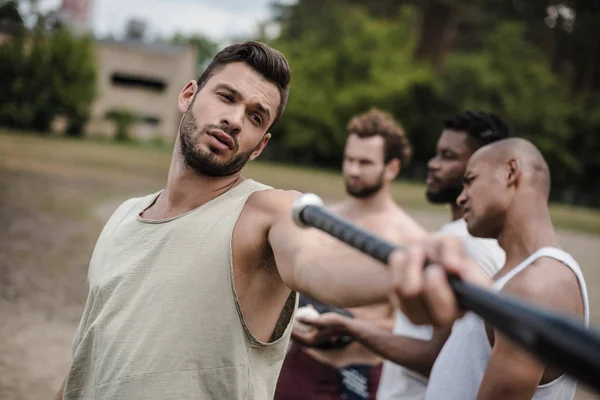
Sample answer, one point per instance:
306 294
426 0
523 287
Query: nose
461 199
234 120
433 164
352 168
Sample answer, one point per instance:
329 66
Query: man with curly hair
320 363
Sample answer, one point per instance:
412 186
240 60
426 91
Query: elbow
308 280
297 279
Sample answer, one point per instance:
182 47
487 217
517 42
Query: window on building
142 82
150 120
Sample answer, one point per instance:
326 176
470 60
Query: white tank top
399 383
459 368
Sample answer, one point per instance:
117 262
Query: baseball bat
555 339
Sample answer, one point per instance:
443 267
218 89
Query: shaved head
529 159
505 177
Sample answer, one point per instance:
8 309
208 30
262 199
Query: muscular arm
311 262
414 354
376 335
511 372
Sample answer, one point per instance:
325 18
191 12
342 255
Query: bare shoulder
549 283
408 229
271 202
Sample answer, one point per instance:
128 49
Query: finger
324 335
471 272
441 300
397 262
411 274
410 287
451 254
447 251
315 323
300 337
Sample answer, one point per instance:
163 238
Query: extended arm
415 354
311 262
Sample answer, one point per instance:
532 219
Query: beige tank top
162 319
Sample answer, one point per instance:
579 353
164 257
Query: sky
217 19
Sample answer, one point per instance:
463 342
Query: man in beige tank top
375 151
505 196
192 289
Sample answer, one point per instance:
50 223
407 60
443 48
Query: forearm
343 278
311 262
414 354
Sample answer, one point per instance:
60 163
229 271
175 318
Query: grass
147 167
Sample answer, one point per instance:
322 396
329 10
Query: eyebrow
240 97
447 149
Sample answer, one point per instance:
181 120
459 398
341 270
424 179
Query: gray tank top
162 319
460 366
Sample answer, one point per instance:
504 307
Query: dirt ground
54 201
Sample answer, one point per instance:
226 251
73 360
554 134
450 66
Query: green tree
45 73
361 62
513 78
124 120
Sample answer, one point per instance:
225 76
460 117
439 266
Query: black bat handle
368 243
353 235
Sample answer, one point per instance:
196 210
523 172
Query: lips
223 138
466 210
431 179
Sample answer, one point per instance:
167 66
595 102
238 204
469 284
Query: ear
260 146
514 172
186 96
392 169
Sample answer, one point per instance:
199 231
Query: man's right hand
312 337
422 291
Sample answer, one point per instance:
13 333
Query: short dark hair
378 123
265 60
481 127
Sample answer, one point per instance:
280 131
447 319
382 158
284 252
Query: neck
456 211
378 201
527 229
186 190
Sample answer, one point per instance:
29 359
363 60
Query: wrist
351 326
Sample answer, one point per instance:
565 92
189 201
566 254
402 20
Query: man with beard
411 350
315 368
192 289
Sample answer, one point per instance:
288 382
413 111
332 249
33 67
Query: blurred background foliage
534 62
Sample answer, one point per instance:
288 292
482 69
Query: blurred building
136 78
144 79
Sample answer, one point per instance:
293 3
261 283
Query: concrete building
144 79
